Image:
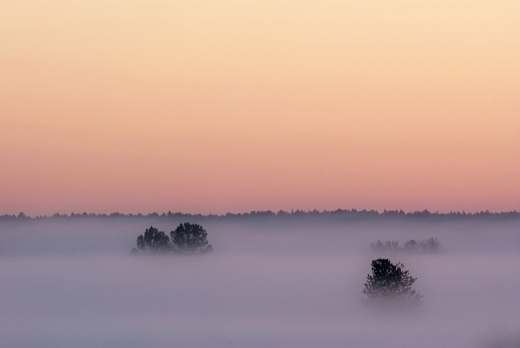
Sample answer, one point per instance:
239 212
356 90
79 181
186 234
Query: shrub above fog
190 238
153 240
187 238
390 287
430 245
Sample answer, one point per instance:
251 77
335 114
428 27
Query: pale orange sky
216 106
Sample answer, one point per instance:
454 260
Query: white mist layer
72 284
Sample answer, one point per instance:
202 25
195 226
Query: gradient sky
216 106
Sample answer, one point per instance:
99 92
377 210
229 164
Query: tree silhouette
431 245
190 238
390 286
153 240
386 246
411 245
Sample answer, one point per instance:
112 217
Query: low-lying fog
72 283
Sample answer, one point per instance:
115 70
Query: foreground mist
72 283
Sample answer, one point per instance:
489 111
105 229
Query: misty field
72 283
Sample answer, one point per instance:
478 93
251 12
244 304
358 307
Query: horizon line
265 213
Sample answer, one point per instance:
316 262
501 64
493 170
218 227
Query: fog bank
73 283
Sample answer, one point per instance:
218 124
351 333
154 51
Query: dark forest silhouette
339 215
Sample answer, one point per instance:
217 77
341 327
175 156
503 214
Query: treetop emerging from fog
390 287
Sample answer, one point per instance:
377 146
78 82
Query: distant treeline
339 214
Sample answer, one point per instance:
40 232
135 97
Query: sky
217 106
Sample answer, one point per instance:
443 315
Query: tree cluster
430 245
187 238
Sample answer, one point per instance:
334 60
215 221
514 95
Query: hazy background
232 106
267 284
217 106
